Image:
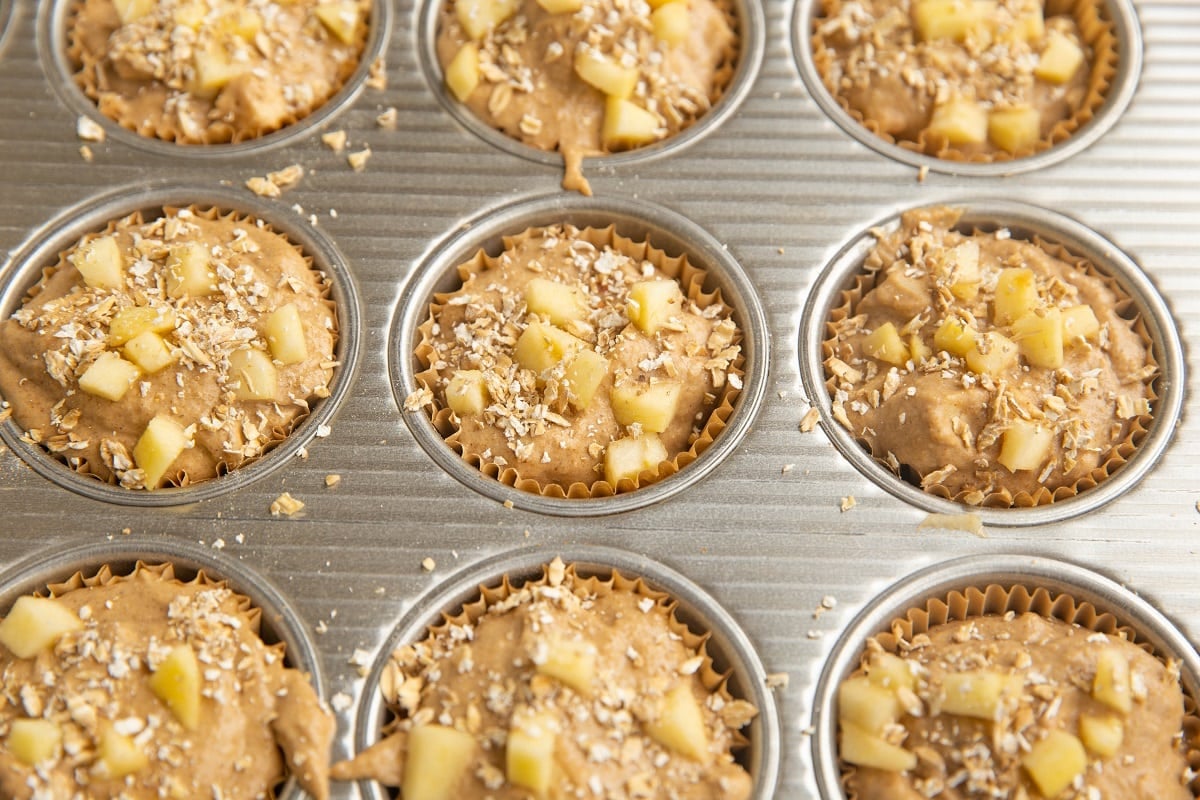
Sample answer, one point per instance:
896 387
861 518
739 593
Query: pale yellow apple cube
36 623
890 671
1101 734
1112 685
467 393
191 14
252 376
1025 445
190 272
478 17
132 320
1016 295
149 352
626 124
1014 129
1030 26
978 693
626 459
866 749
601 72
585 371
119 755
1039 335
679 725
212 70
672 22
1061 59
993 354
962 260
556 301
1055 762
529 753
437 759
462 73
340 19
560 6
284 331
959 121
1079 324
109 376
572 662
176 682
541 347
158 447
132 10
884 343
920 351
866 704
653 304
652 405
955 337
950 19
33 741
101 263
244 23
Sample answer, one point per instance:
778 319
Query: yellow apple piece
436 761
245 23
212 70
109 376
920 351
993 354
1055 762
679 725
1112 685
626 459
652 405
867 705
1025 445
541 347
176 682
572 662
1016 295
33 741
1101 734
556 301
462 73
561 6
101 263
285 335
962 262
949 19
1014 129
529 753
652 304
35 623
671 22
1060 59
191 14
478 17
884 343
890 671
866 749
977 693
158 447
132 10
600 71
132 320
626 124
190 272
340 18
252 375
1079 324
1030 26
149 352
467 393
955 337
1039 335
585 371
119 755
959 121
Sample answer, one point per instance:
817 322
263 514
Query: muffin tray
783 541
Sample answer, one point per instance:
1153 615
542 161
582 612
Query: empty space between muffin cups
181 367
971 87
229 78
1102 671
602 700
579 357
954 379
589 82
138 603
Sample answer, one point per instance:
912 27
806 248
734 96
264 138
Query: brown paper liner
691 279
1118 454
995 600
88 77
279 433
1098 34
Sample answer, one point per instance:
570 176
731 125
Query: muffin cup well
994 584
731 658
24 269
636 221
843 275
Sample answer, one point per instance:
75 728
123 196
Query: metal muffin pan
729 648
782 188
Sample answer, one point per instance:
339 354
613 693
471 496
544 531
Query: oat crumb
971 523
287 505
777 680
340 702
787 468
219 544
388 119
126 531
262 187
89 130
810 420
334 140
814 634
508 503
86 153
922 173
848 502
332 480
287 177
428 564
358 160
322 627
377 79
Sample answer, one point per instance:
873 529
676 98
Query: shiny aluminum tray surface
783 190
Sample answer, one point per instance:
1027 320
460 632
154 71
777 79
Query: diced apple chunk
993 354
600 71
252 376
149 352
977 693
541 347
1030 26
109 376
340 19
176 682
890 671
1079 324
1060 60
462 73
962 264
652 406
1055 762
866 749
571 661
1025 445
101 263
436 761
1040 338
556 301
132 10
920 351
679 725
1111 685
884 343
191 14
477 17
1014 129
467 393
561 6
652 304
866 704
158 447
1101 734
959 121
585 371
119 755
244 23
626 124
190 272
671 22
1016 295
529 753
625 459
35 623
33 741
212 70
132 320
955 337
285 335
949 19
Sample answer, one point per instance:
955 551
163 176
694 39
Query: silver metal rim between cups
52 49
752 45
1126 30
1024 221
636 220
280 620
728 646
1058 577
23 269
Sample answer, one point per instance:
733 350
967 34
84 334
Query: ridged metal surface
783 189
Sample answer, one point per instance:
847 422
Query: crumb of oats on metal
332 480
377 79
428 564
508 503
777 680
971 523
287 177
334 140
263 187
922 173
814 634
321 626
126 531
780 251
358 160
86 153
810 420
340 702
287 505
787 468
417 399
89 130
848 502
388 118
